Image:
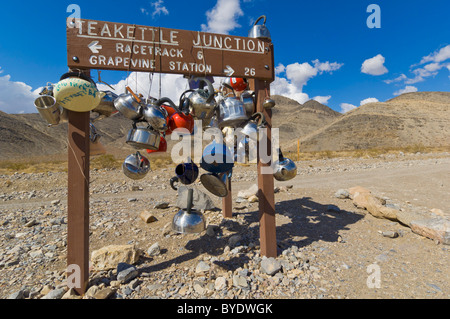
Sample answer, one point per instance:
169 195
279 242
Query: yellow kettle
77 92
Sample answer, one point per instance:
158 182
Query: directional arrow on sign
94 47
228 71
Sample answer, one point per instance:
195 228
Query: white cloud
345 107
297 75
326 66
374 66
172 85
369 100
407 89
437 56
397 79
158 9
16 97
222 18
322 99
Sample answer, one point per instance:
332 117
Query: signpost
102 45
117 46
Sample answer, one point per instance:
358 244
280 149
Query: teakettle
106 106
77 92
247 98
129 106
201 101
284 169
217 158
189 220
136 166
259 31
156 116
250 128
143 138
231 112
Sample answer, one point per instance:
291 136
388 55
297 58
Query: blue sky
323 49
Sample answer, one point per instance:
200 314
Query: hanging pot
231 112
48 108
156 116
106 106
238 84
250 128
129 106
217 184
247 98
186 173
217 158
284 169
201 102
189 221
77 92
259 31
136 166
143 138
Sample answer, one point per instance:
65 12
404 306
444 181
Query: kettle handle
262 118
172 182
261 17
210 88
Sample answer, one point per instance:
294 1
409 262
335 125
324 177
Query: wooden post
227 203
267 224
78 200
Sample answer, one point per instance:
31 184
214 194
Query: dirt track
340 246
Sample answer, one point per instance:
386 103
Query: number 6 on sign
200 55
250 71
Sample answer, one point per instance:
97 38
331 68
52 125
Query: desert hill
419 118
295 120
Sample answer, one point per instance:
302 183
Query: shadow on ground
305 222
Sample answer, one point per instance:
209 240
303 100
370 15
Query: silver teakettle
259 31
284 169
136 166
201 102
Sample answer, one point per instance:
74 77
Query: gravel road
328 248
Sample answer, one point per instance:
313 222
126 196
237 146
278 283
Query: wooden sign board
95 44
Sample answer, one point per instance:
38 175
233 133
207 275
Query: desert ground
327 246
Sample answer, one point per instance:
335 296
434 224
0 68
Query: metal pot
156 116
217 158
268 103
186 173
48 108
136 166
247 98
129 106
231 112
106 106
284 169
259 31
217 184
189 221
143 138
250 128
201 101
